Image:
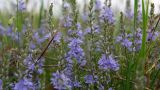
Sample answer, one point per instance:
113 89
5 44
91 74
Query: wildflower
110 88
24 84
85 16
129 14
80 34
39 40
2 29
75 50
87 30
68 22
47 35
40 64
101 87
9 31
78 25
32 67
77 84
29 62
57 37
138 39
98 5
152 36
119 39
32 45
66 5
126 43
21 5
0 84
106 63
68 71
70 32
107 15
90 79
96 29
60 81
75 42
36 37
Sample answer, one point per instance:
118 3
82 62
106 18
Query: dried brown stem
45 49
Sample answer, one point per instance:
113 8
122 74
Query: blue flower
129 14
76 51
68 71
32 45
30 64
57 37
28 60
44 37
60 81
90 79
110 88
21 5
66 5
78 25
119 39
152 36
85 17
75 42
77 84
96 29
2 29
68 22
106 63
98 5
101 87
107 15
1 84
80 34
87 30
36 37
125 40
126 43
138 39
9 31
24 84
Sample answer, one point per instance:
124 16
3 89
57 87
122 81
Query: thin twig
45 49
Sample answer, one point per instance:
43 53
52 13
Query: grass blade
135 13
144 34
41 14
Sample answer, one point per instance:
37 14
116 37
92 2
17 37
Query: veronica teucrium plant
91 48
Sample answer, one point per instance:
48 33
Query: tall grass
145 22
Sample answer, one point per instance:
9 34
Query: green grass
144 28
